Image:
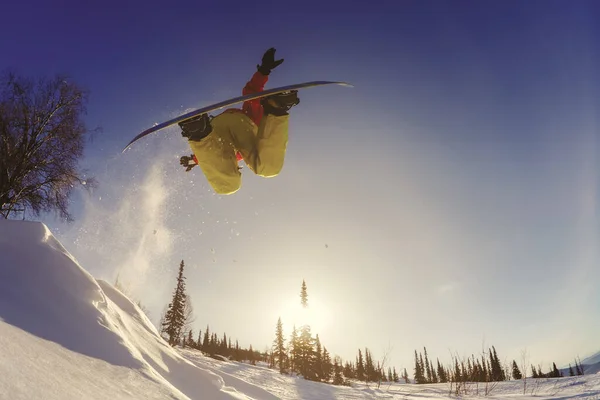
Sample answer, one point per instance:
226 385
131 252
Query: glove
187 162
268 62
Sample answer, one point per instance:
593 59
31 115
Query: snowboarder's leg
263 147
271 143
216 156
266 153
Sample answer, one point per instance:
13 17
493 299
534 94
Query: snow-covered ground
66 335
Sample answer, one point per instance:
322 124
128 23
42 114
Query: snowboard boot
196 128
279 104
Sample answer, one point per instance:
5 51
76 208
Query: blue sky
448 200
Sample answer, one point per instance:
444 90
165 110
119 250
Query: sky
448 200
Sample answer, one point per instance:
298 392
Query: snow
591 364
66 335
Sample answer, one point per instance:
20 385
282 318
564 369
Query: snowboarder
257 133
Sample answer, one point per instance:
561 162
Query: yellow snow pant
263 149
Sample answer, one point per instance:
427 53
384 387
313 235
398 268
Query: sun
315 315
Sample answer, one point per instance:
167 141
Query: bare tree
41 141
524 365
383 363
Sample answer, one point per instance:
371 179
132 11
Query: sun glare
314 315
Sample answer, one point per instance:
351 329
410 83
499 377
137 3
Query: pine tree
555 372
534 373
390 377
497 371
279 346
327 366
441 372
427 368
516 372
206 341
571 373
457 374
360 367
578 366
348 370
434 378
318 367
371 372
199 341
174 317
405 376
190 339
251 357
303 295
419 376
395 376
307 353
294 351
337 371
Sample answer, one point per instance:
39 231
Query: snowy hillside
78 338
66 335
591 364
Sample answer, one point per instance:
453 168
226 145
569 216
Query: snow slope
78 338
591 364
65 335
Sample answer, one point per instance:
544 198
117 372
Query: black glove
187 162
268 62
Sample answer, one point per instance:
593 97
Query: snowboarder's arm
256 84
253 108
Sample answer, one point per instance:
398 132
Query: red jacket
252 108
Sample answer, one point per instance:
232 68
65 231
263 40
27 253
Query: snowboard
230 102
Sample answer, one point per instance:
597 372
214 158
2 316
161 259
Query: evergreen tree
199 341
318 367
485 370
251 356
571 373
434 378
279 346
294 351
441 372
327 366
307 353
516 372
578 366
206 341
457 374
497 371
405 376
419 376
303 295
534 373
390 377
190 339
175 318
555 372
370 367
337 371
427 368
360 367
348 370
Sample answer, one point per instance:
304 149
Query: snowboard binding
196 128
279 104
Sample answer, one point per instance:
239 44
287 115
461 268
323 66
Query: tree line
305 355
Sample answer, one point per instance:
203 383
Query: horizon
448 200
